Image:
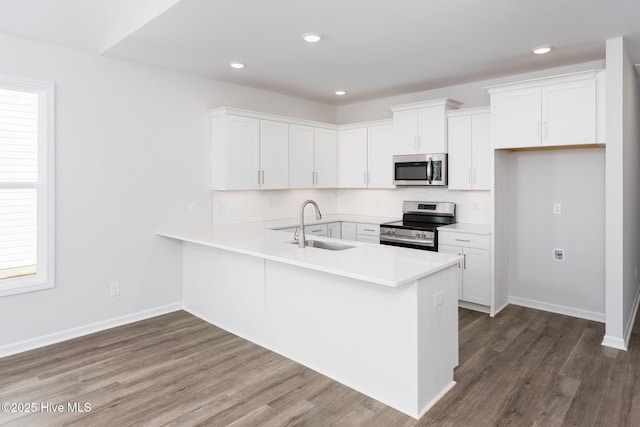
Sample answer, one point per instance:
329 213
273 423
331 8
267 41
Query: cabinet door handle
464 261
262 177
316 178
258 177
369 229
538 130
462 240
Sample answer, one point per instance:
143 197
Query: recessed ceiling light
341 92
311 37
541 50
236 65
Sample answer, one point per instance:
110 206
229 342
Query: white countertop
467 228
381 264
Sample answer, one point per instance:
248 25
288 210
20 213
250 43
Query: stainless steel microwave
420 169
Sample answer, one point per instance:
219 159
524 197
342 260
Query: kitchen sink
330 246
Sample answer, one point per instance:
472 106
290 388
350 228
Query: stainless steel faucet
301 237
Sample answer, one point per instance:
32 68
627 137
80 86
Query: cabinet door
326 158
348 231
454 250
353 158
380 156
301 174
334 230
242 162
405 125
460 152
480 151
476 276
516 120
569 113
274 154
432 135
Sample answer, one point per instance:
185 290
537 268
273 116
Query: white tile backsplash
244 206
471 206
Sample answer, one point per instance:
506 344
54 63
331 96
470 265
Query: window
26 186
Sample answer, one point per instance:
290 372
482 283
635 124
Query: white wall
132 149
623 194
575 179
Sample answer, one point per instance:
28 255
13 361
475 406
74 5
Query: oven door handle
385 238
430 170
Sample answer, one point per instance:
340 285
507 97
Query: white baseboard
19 347
560 309
614 342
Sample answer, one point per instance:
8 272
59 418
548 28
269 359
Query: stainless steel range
418 226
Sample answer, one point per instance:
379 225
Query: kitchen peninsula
380 319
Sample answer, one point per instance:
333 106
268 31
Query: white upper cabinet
325 155
236 152
254 151
469 149
301 174
557 111
274 155
312 157
366 156
352 158
380 156
422 127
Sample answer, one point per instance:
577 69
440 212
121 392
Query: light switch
557 208
191 207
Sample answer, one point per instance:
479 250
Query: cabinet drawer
316 230
368 238
369 229
464 240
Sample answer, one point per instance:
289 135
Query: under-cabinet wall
574 179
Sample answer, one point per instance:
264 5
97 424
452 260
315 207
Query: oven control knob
419 234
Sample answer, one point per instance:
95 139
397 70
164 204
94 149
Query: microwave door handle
429 170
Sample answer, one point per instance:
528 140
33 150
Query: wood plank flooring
522 368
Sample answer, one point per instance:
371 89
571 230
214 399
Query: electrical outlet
558 254
115 289
191 207
557 208
438 299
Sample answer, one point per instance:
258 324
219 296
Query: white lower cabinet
368 233
474 278
361 232
334 230
349 231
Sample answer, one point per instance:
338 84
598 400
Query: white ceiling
371 48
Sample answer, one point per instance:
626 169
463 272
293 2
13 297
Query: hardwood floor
524 367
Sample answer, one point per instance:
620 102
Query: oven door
420 169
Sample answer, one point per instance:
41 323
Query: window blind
18 182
